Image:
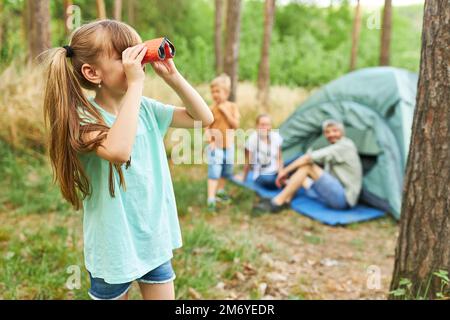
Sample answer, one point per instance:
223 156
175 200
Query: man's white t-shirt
264 155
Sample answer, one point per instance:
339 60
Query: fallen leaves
194 294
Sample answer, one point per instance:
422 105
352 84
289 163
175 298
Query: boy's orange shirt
221 125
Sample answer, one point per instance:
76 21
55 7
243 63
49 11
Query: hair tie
69 51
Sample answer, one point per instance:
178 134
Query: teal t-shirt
133 233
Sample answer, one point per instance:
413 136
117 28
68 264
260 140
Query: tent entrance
365 141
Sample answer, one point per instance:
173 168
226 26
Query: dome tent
376 106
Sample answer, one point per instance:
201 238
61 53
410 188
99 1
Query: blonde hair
223 81
262 115
64 99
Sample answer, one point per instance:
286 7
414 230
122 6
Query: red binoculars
158 50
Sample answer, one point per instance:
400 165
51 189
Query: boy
220 135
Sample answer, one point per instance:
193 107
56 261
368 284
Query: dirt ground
305 259
300 258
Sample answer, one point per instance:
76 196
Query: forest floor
227 255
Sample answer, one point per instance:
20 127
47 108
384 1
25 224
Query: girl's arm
280 159
196 108
118 143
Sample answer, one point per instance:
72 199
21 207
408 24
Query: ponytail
63 99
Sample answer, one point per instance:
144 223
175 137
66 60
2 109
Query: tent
376 106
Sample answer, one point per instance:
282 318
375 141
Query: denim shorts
267 180
101 290
329 191
220 162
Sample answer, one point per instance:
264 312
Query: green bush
310 44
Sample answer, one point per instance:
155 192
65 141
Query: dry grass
21 123
283 100
21 99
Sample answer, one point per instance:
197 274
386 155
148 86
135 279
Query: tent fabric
376 106
315 209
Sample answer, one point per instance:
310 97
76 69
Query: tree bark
386 34
218 35
355 36
232 44
101 9
118 10
264 66
39 27
423 243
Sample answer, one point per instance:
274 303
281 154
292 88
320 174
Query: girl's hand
281 178
131 60
165 69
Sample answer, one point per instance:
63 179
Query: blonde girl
108 156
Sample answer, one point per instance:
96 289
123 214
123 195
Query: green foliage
41 236
310 44
35 265
405 288
27 183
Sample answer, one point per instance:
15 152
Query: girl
108 155
263 152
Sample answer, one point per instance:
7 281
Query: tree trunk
423 243
39 27
118 10
67 4
232 44
386 34
131 12
101 9
218 35
355 36
264 66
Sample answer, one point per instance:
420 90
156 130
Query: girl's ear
91 73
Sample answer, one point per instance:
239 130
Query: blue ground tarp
316 210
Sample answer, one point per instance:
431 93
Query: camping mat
315 209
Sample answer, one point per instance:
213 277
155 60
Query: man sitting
337 185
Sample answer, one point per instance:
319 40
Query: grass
224 255
36 257
27 184
34 263
313 239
